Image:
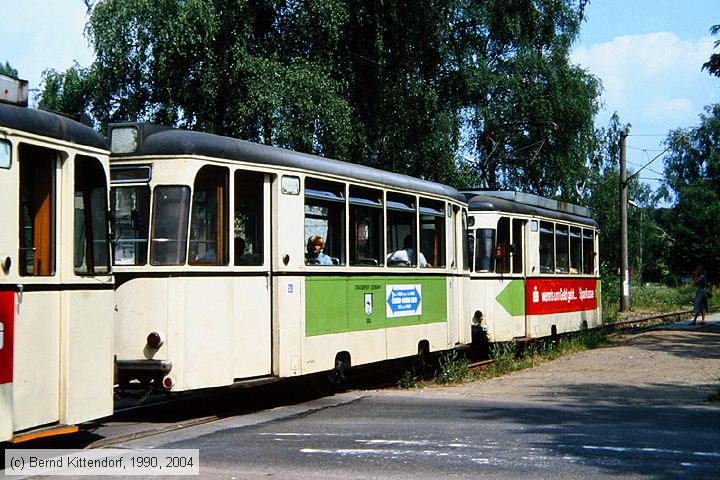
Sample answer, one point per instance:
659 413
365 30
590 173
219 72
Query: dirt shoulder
671 364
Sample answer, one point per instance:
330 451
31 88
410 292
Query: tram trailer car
56 290
535 268
214 280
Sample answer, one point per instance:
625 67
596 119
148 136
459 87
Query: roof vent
13 90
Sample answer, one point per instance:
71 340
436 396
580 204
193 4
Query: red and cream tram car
56 289
534 269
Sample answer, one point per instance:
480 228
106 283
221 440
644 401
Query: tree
67 92
713 64
8 70
692 174
527 112
411 87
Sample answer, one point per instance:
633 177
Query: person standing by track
701 300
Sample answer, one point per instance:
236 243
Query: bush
453 369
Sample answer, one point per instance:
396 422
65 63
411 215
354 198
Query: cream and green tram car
56 291
236 261
535 269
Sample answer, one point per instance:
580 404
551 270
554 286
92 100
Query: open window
209 225
37 210
562 246
325 219
432 232
248 222
401 223
366 227
547 247
130 207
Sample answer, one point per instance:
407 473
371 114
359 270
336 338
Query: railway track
636 324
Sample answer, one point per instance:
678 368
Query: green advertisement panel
348 304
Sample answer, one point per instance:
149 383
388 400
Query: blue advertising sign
403 300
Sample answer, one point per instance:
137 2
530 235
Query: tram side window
366 226
325 218
576 250
547 247
484 249
130 207
248 223
517 247
209 223
401 241
588 252
37 211
502 251
468 242
91 222
168 243
432 232
562 252
5 154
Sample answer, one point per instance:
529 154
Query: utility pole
625 293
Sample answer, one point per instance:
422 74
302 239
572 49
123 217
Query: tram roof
159 140
47 124
528 204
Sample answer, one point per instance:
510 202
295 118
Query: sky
647 53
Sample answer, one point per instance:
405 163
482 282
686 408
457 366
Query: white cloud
653 79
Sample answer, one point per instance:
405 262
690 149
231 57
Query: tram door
37 335
252 299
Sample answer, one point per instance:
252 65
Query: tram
56 288
238 262
535 268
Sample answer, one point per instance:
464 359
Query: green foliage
453 369
67 92
692 172
7 69
412 90
408 380
713 64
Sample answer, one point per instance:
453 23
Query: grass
510 356
507 357
647 298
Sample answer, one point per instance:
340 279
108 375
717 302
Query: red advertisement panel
560 295
7 325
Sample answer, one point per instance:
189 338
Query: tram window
547 247
5 154
432 232
502 250
366 226
168 244
562 253
325 217
484 249
468 243
90 222
588 252
209 223
517 247
575 250
401 230
37 211
130 207
248 223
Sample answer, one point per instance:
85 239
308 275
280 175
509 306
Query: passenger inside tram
315 254
405 257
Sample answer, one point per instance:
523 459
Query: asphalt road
592 422
391 436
